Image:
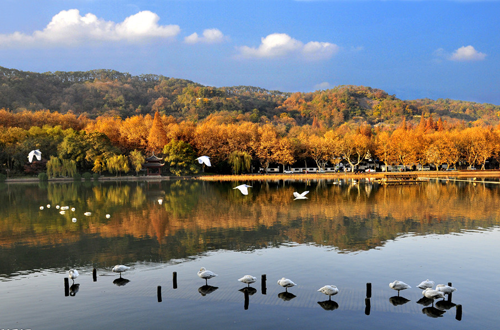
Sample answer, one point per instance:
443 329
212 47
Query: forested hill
106 92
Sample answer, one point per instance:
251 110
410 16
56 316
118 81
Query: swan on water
432 294
72 219
62 212
88 214
73 209
73 274
41 207
248 279
243 188
206 274
445 288
329 290
48 206
64 207
120 269
58 207
399 285
204 160
300 196
425 284
286 283
108 216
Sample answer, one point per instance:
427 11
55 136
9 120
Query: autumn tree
181 158
157 137
137 160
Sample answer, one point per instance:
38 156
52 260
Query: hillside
106 92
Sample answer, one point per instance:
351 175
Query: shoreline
278 176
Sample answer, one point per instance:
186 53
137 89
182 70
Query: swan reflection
120 281
286 296
251 291
433 312
206 289
328 305
424 301
73 289
445 305
398 300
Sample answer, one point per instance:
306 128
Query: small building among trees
153 165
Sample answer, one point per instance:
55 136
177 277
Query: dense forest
105 121
107 92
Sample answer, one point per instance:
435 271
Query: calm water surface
343 234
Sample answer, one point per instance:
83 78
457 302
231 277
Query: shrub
96 176
43 176
3 177
87 176
77 177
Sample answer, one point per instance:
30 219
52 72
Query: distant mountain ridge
109 92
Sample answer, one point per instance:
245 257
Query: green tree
136 159
240 161
181 158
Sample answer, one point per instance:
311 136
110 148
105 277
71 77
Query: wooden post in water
94 275
458 317
367 306
158 293
66 287
368 290
174 279
263 284
247 299
449 295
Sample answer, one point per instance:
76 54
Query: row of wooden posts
264 291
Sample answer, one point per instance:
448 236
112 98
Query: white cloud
467 53
210 36
69 28
322 86
281 45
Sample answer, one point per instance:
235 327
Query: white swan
243 188
73 209
425 284
300 196
64 207
248 279
286 283
399 285
58 207
41 207
432 294
88 214
120 269
72 219
48 206
62 212
329 290
73 274
34 153
108 216
204 160
206 274
445 288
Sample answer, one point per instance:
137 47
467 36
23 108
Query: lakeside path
491 174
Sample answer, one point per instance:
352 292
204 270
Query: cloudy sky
413 49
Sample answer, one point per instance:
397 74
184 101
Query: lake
344 234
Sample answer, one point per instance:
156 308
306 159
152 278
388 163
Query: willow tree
136 159
53 167
181 158
117 164
239 161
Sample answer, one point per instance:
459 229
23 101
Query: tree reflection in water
198 216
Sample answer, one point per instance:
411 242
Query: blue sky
413 49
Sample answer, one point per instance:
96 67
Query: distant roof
153 158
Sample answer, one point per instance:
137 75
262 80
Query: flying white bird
204 160
300 196
425 284
286 283
445 288
399 285
248 279
243 188
329 290
120 269
34 153
73 274
206 274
